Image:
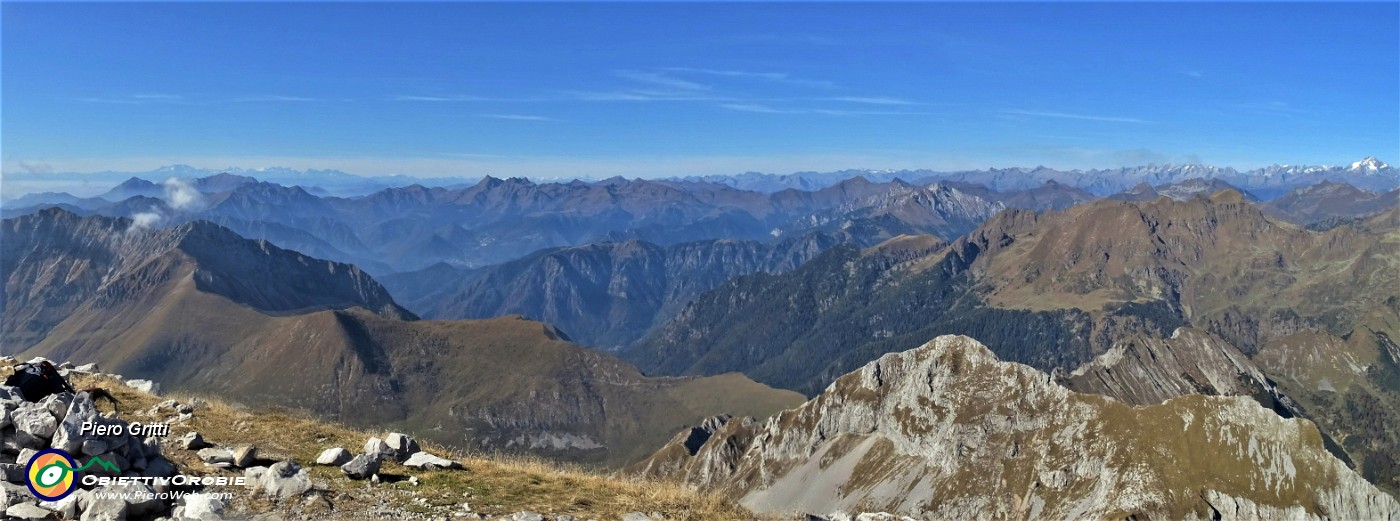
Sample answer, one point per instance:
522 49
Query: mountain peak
1369 165
1228 195
939 414
135 182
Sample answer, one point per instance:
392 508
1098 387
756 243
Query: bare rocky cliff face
1144 370
948 431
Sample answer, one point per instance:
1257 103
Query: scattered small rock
334 456
145 386
215 455
361 467
245 455
27 511
378 449
86 368
201 506
285 479
425 461
192 441
402 446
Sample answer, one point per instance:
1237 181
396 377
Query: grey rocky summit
949 415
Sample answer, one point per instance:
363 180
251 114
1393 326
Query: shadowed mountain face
59 268
1330 201
946 431
606 295
196 307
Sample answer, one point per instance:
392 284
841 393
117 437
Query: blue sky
563 90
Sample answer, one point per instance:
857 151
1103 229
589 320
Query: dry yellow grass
490 484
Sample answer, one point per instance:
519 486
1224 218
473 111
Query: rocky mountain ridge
99 263
948 431
1327 200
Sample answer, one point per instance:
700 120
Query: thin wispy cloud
158 97
781 38
678 84
661 79
177 99
466 98
753 107
646 95
473 155
275 99
1068 115
758 108
516 117
121 101
871 100
778 77
1277 108
135 99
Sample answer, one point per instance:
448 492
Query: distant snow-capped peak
1369 165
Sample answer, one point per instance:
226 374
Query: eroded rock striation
947 431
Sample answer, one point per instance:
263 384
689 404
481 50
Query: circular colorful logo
51 475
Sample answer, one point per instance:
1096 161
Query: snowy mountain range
1267 182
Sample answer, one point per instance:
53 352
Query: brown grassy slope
492 485
478 383
1216 256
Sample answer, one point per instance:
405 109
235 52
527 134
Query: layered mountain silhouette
198 307
498 220
605 295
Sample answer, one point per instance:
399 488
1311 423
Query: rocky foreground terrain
298 468
947 431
